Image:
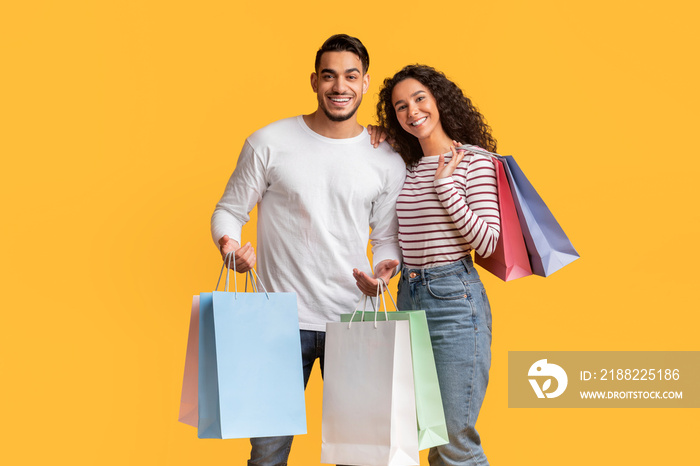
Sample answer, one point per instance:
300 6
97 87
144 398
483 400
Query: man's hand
368 285
244 256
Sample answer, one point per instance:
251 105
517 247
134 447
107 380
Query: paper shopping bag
369 406
430 415
548 246
250 371
510 260
188 399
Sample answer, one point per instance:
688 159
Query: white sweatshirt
317 200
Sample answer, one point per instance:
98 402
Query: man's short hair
344 43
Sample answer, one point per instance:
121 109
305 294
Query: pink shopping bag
510 260
188 401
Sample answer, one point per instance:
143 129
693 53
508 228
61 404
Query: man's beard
336 117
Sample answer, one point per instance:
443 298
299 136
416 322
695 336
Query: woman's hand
445 170
377 135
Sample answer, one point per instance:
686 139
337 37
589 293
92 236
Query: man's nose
340 85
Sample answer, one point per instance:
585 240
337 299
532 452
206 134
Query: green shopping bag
432 430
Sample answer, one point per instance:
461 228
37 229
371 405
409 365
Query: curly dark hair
459 117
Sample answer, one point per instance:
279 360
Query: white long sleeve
317 200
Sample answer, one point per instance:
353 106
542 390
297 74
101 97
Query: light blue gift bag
251 382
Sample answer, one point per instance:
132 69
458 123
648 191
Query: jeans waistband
415 274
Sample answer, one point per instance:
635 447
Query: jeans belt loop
465 264
422 276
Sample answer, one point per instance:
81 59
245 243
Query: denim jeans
274 451
459 320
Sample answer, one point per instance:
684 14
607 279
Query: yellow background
121 122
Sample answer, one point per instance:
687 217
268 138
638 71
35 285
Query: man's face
339 84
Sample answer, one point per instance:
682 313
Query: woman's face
416 108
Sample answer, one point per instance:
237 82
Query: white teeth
340 100
418 122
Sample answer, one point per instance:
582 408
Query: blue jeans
274 451
459 319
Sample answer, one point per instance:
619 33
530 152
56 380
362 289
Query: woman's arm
467 190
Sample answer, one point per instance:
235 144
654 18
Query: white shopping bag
369 407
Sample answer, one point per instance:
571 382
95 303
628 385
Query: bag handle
376 309
478 150
364 306
255 282
386 288
227 259
230 260
381 287
254 285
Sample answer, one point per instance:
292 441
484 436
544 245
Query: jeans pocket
487 309
449 287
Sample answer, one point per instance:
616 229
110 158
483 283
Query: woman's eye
420 98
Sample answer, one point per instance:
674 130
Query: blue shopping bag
547 245
251 382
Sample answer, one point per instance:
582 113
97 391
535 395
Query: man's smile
339 100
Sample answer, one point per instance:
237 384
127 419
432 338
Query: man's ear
314 81
365 84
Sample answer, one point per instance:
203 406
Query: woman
447 208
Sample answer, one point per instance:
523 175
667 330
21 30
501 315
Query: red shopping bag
510 260
188 401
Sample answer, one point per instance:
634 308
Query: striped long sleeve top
441 221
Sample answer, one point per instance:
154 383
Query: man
319 186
